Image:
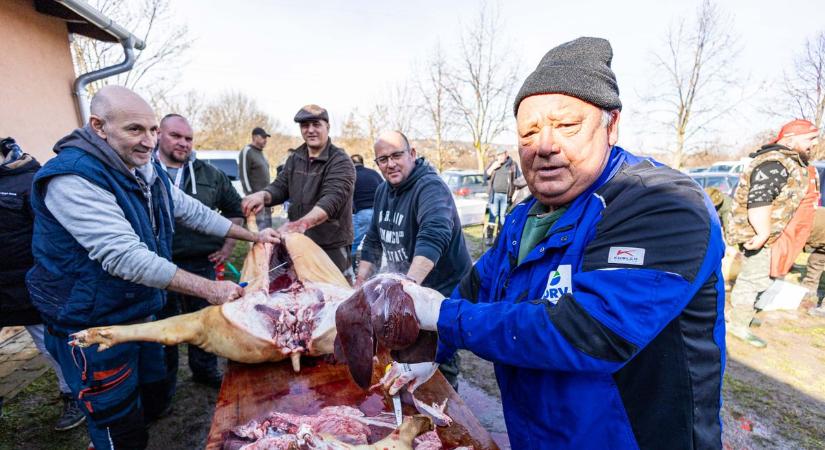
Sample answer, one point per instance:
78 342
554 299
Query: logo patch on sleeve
626 255
559 282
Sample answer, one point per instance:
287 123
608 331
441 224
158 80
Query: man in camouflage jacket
768 196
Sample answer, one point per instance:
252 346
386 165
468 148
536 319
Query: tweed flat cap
311 112
579 68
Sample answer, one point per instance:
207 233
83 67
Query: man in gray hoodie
102 244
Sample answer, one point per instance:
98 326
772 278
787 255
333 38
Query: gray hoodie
92 216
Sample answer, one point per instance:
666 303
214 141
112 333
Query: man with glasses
415 225
318 180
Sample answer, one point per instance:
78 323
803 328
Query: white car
226 161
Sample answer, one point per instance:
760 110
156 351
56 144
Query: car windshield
227 166
451 179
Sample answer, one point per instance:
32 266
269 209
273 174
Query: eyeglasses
395 156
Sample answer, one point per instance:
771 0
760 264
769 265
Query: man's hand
409 375
254 203
756 242
222 291
270 236
220 256
427 304
298 226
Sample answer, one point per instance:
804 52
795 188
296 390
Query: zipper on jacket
513 269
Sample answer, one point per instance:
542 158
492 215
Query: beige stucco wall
36 75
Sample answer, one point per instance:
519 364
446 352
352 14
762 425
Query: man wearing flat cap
604 331
318 180
771 218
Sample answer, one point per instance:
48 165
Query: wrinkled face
131 130
175 140
315 133
259 141
563 145
394 161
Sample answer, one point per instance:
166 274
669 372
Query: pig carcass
288 309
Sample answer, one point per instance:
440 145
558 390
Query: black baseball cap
260 132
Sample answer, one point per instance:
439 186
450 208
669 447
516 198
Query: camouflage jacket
783 207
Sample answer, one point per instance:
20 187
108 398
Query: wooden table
251 391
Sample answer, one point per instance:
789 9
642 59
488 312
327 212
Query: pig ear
352 322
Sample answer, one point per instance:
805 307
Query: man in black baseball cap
318 180
253 169
258 131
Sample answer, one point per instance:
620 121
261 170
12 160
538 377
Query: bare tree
190 105
353 139
375 121
432 86
227 122
400 109
804 88
700 74
481 84
157 67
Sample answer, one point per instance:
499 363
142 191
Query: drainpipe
126 39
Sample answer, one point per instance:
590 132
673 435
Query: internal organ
380 315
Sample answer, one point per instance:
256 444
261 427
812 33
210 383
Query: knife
396 402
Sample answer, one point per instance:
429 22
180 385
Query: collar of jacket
303 151
567 223
793 154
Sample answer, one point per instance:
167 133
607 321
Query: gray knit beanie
579 68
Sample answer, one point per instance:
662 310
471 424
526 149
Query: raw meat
332 428
381 314
285 312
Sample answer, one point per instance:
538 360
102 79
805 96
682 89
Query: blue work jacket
610 333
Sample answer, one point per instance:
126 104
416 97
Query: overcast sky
347 54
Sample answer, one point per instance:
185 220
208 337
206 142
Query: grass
33 412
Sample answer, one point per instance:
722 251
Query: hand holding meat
223 291
297 226
409 375
269 236
427 304
253 203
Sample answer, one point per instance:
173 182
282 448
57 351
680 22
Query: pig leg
174 330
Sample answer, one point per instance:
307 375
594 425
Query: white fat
242 313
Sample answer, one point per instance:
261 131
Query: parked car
729 166
724 181
696 169
465 183
820 167
226 161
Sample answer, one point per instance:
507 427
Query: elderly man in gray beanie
601 303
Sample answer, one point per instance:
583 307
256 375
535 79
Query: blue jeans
498 206
361 222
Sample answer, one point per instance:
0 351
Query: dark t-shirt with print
767 181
